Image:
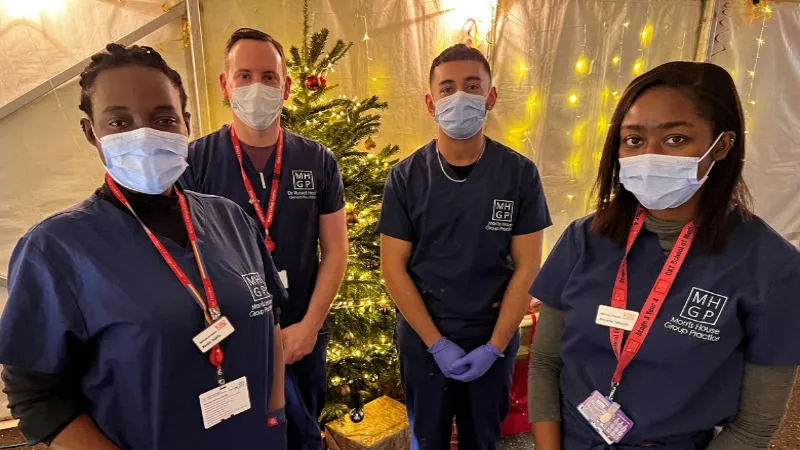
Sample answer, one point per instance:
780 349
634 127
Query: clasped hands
459 365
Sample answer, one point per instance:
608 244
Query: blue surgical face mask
461 115
145 160
663 181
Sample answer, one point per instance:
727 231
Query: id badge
605 417
213 334
224 402
611 317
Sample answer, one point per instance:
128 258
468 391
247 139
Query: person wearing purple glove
461 239
447 355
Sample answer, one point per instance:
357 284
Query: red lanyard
619 298
212 311
266 219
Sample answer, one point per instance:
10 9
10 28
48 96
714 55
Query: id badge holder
605 417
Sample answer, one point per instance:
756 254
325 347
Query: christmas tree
362 362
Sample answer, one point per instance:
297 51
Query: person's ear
491 100
724 146
223 84
430 104
287 88
88 132
187 117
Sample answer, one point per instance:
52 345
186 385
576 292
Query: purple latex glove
479 362
446 353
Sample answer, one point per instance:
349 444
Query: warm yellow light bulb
752 73
760 41
616 60
626 24
581 66
366 36
638 67
646 35
573 99
767 9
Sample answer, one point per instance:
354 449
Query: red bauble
323 82
313 83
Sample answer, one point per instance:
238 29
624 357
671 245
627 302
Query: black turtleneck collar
161 213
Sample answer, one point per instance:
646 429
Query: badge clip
613 392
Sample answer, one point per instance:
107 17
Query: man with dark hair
461 240
292 188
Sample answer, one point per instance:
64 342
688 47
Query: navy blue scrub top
726 309
461 232
89 295
310 186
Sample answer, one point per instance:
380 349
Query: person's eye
474 87
676 140
119 123
633 141
446 91
244 76
167 122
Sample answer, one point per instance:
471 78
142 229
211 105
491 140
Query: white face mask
461 115
257 105
663 181
145 160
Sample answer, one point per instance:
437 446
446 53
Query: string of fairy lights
765 12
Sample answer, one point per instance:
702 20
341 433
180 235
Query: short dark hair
116 56
460 52
255 35
713 92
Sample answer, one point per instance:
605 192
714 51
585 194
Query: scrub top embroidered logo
303 185
704 307
262 299
699 315
502 216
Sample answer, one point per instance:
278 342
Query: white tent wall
760 49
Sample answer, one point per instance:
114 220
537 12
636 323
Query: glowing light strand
766 11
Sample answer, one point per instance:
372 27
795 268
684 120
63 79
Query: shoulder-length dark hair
713 92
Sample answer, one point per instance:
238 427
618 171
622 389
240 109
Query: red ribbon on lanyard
619 298
266 219
212 311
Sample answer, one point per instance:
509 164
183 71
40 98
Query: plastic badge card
224 402
605 417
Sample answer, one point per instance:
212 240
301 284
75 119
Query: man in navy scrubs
293 188
461 237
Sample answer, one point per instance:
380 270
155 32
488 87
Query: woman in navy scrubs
672 309
142 318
